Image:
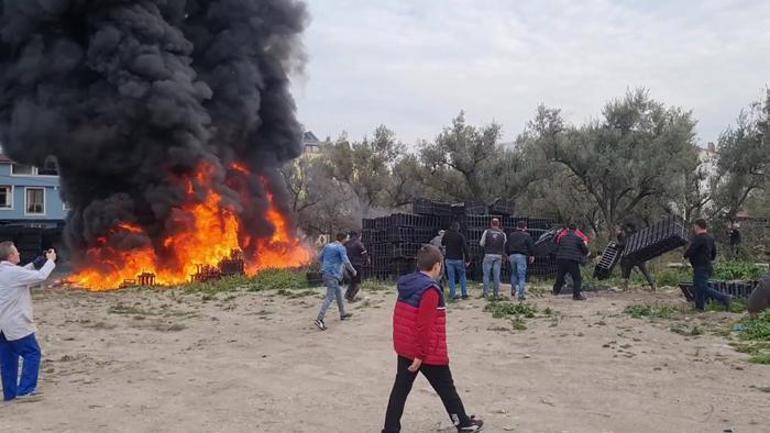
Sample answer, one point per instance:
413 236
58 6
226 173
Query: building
29 195
31 209
311 144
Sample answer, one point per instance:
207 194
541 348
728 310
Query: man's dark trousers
568 267
355 282
700 279
439 377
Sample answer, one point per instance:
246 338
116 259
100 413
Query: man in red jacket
419 337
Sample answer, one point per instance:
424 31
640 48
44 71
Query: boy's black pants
439 377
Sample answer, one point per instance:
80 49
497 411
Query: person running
17 326
571 254
333 258
622 235
457 259
520 249
493 241
419 339
358 258
701 252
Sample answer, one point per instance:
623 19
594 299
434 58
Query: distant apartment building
311 144
29 195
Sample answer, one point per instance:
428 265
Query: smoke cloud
132 96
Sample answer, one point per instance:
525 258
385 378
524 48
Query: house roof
4 159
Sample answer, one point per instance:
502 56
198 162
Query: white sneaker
29 398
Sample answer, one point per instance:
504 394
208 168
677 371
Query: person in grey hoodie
493 241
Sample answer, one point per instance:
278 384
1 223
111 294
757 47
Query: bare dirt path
144 361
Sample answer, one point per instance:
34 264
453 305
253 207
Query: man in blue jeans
701 252
456 260
520 248
333 258
17 326
493 241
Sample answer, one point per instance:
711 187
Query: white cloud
413 65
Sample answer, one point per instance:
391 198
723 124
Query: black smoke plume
131 96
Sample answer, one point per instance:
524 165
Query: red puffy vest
411 288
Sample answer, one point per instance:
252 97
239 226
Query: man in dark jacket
520 249
701 252
358 258
571 254
626 267
419 338
456 260
493 241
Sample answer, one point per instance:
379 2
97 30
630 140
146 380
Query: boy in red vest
419 337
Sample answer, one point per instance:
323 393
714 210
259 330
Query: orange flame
208 233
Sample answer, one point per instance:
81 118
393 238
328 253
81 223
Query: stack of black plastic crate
393 240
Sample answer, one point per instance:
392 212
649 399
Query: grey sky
414 64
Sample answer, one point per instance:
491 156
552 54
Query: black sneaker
465 297
346 316
320 324
579 297
474 425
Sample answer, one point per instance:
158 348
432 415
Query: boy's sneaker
474 425
320 324
346 316
465 297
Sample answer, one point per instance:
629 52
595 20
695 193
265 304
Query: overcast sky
414 64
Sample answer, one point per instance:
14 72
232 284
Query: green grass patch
275 279
755 339
652 311
503 309
689 331
222 285
737 270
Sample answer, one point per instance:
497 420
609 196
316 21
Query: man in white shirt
17 327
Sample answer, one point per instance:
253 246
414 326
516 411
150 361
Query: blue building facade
30 196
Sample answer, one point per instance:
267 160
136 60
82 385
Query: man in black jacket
701 252
520 248
457 259
571 254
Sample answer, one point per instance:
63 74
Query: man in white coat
17 327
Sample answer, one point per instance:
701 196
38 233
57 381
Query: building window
6 197
50 167
35 201
22 169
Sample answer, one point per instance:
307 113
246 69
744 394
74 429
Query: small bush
737 270
671 277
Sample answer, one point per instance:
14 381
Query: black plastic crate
403 249
400 234
368 223
610 258
382 222
655 240
475 208
503 207
430 207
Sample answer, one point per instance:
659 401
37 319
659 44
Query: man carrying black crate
701 252
627 266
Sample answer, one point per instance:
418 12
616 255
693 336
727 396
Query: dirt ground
163 361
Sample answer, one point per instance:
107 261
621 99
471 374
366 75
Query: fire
208 232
